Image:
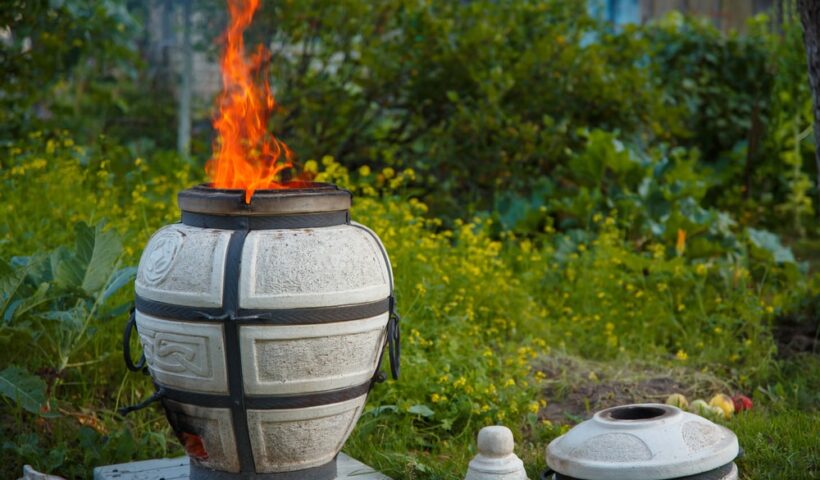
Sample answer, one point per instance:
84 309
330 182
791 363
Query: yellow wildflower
680 244
311 166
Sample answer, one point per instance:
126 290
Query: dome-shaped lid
642 442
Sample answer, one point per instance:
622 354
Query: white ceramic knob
495 459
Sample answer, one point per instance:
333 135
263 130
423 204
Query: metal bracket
126 345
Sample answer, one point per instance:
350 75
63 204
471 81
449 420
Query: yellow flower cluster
90 186
462 304
478 307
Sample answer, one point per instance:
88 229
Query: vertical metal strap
394 339
233 356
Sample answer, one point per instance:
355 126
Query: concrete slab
177 469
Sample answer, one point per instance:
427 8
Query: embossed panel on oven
184 355
295 439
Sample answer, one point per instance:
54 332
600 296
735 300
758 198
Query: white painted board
177 469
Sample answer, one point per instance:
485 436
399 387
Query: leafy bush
748 111
724 82
486 101
476 97
478 308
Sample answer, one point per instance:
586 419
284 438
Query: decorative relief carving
614 447
184 265
175 353
164 247
699 436
184 355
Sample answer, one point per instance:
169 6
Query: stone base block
178 469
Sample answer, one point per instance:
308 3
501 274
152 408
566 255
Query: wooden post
810 16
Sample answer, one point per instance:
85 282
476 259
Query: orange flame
246 155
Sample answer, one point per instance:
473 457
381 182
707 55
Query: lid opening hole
636 413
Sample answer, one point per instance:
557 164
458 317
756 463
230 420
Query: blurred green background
620 190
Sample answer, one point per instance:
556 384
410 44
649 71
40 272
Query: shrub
476 97
725 82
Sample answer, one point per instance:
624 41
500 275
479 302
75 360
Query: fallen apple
724 403
742 403
700 407
677 400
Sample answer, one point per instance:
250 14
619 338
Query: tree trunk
810 16
753 146
167 43
184 107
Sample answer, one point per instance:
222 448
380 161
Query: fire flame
246 155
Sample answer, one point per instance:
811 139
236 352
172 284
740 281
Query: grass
779 436
779 444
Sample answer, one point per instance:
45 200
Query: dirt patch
798 332
577 388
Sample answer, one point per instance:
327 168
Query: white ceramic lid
642 442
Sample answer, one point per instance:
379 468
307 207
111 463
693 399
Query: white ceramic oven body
264 341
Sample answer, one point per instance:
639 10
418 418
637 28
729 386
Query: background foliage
549 188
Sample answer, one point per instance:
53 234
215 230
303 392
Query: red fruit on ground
742 402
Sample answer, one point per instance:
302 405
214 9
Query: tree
64 64
810 17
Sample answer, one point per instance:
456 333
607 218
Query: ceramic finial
495 459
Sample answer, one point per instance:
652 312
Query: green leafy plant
25 389
54 302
